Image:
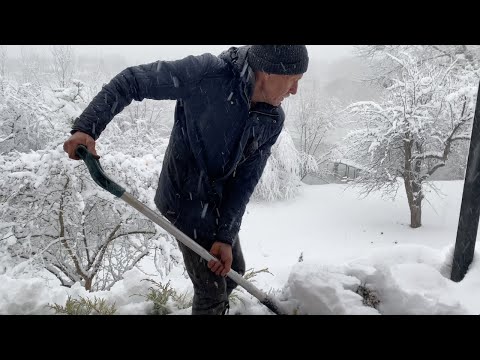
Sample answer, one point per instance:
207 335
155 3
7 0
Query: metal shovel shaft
106 183
187 241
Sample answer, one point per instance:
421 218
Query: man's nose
293 89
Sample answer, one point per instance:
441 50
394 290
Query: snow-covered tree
63 64
381 59
53 215
56 218
141 128
282 174
314 117
32 116
426 111
32 67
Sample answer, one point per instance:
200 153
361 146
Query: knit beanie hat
279 59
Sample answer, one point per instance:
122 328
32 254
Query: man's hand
222 252
79 138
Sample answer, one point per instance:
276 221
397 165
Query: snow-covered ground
322 250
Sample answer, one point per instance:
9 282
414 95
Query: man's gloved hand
79 138
222 252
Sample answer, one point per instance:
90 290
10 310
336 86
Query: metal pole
470 209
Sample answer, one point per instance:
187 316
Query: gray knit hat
279 59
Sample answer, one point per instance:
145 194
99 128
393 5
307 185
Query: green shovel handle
97 173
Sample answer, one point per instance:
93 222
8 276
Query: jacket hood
236 57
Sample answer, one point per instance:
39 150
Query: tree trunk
414 196
88 284
416 214
412 187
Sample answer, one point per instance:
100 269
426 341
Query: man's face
275 88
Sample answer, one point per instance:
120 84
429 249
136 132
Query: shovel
106 183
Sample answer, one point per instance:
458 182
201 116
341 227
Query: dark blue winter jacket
218 146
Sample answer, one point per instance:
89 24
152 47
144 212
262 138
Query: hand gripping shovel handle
108 184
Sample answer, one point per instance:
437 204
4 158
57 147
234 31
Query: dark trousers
211 292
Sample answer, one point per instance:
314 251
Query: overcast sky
147 53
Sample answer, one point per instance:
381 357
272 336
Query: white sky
148 53
343 246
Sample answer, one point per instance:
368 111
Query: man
227 117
